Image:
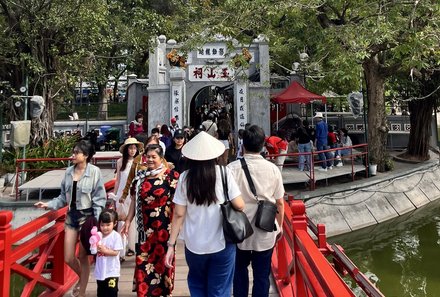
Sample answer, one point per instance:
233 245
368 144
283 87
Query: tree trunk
377 122
420 119
103 102
42 127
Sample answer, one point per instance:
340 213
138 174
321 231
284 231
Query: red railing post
5 252
322 239
299 222
60 268
283 273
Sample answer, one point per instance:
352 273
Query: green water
401 256
17 284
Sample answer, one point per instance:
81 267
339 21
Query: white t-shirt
203 228
240 148
109 266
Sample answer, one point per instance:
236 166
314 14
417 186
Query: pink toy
94 240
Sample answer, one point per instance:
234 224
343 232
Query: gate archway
176 91
212 99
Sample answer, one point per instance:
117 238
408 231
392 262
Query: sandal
75 290
130 253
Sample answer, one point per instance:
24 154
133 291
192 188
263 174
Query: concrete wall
380 198
136 91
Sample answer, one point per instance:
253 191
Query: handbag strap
224 182
248 177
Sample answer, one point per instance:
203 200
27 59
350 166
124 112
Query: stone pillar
241 90
177 97
157 68
264 58
131 97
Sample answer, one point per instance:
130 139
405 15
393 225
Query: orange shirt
274 144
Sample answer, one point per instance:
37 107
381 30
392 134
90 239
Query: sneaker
330 168
339 164
322 169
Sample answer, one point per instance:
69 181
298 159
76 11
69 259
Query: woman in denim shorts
82 190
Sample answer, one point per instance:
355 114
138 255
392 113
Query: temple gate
176 89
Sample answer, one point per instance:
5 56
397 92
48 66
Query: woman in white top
197 201
129 150
344 141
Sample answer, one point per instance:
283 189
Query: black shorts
108 287
76 218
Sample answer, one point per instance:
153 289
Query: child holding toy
82 190
107 266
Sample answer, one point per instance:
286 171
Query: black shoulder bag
267 211
236 225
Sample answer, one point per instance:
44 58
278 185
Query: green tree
377 38
385 37
47 42
124 43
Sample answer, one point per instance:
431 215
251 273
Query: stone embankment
347 207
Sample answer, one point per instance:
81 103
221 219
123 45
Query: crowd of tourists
170 185
304 139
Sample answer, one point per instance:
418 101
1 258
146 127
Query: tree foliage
352 44
346 38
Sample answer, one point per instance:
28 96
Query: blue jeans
344 152
261 273
211 275
324 157
304 148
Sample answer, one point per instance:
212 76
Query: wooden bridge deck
180 288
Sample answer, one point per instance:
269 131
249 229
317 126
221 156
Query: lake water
401 256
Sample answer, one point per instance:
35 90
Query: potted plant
242 59
176 59
372 167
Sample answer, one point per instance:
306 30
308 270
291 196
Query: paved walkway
180 283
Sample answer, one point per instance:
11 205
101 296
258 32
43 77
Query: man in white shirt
258 247
155 132
210 126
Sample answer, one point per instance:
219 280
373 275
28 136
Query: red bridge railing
300 264
358 151
40 259
20 166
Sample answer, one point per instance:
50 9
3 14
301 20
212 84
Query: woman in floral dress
153 208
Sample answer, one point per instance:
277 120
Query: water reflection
401 255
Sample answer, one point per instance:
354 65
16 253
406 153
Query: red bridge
302 265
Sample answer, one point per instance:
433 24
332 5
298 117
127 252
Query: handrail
300 265
311 173
19 169
15 256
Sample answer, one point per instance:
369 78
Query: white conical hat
203 147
